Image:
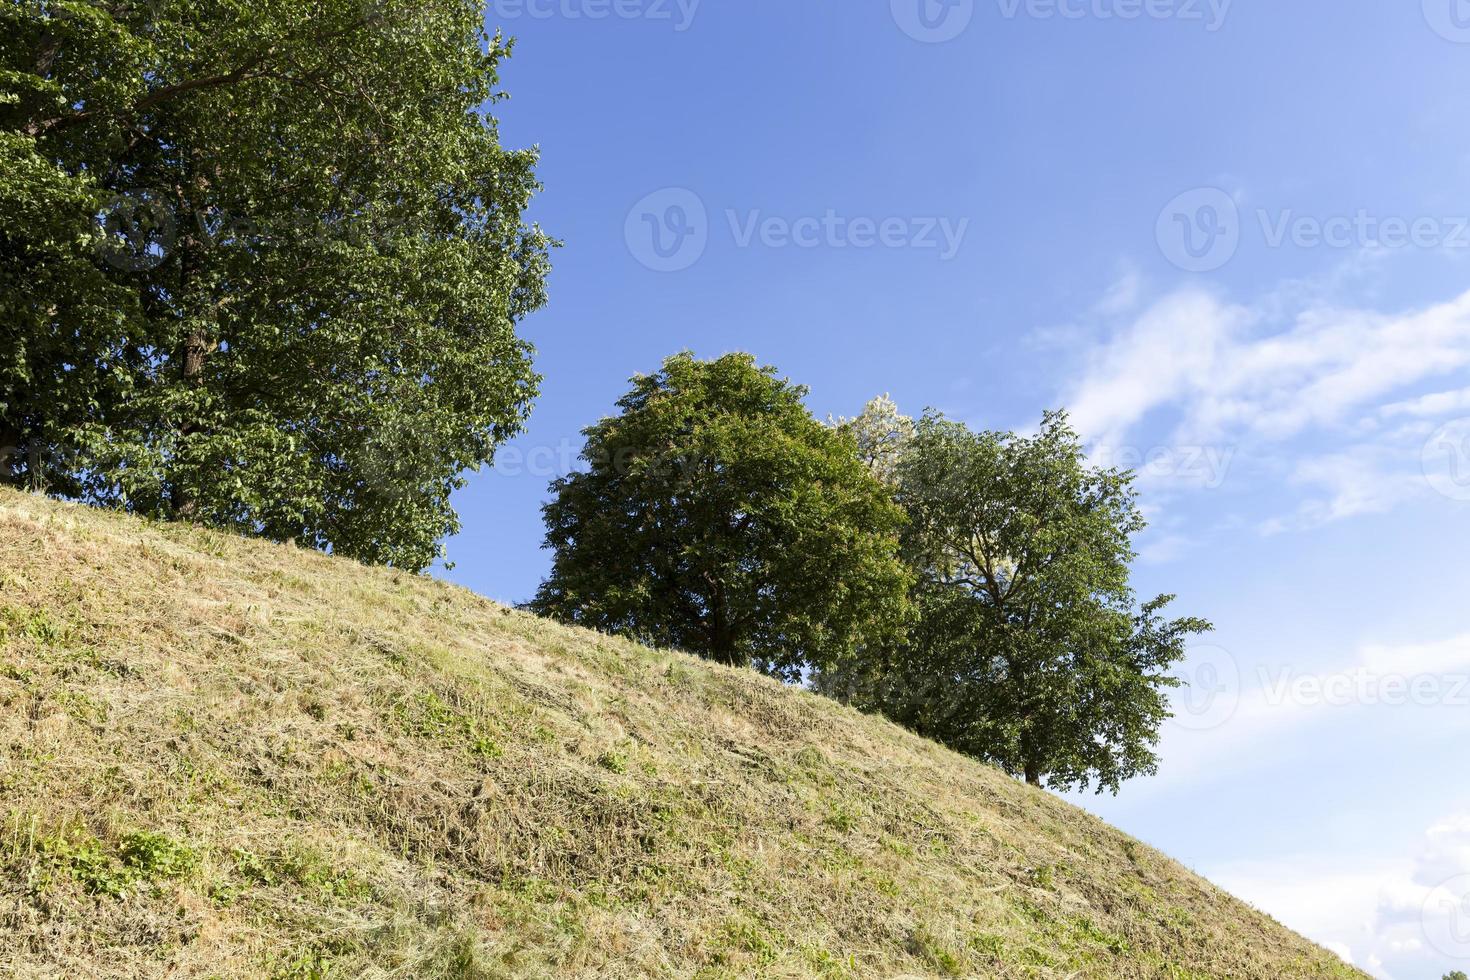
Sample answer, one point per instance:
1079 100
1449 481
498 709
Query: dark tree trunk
36 466
191 372
721 636
10 457
1033 775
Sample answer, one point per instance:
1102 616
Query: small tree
718 516
1029 651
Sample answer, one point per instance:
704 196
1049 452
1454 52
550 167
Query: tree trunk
721 636
1033 775
10 438
36 467
191 372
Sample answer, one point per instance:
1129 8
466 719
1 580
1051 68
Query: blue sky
1232 237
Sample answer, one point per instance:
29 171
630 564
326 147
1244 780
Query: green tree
716 515
1456 975
262 264
1029 651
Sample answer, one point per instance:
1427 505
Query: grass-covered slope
221 757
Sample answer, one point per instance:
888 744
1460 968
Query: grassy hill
222 757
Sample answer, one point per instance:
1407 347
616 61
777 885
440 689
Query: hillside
226 758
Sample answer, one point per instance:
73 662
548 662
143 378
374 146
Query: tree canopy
261 264
716 515
1029 650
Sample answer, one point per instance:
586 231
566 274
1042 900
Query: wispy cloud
1414 688
1400 917
1319 398
1435 405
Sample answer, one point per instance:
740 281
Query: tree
882 434
1456 975
1029 650
262 264
716 515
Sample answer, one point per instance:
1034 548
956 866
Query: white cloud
1301 387
1123 296
1415 689
1167 354
1314 896
1430 406
1390 915
1447 851
1363 479
1164 548
1441 657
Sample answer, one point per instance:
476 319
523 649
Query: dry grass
225 758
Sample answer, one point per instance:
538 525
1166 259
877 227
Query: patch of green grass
840 819
944 960
427 715
155 855
751 938
302 865
81 706
113 872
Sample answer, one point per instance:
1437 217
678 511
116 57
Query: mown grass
225 758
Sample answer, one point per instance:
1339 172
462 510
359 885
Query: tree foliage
261 264
1029 650
716 515
882 434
